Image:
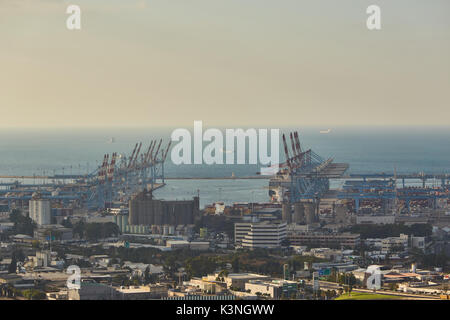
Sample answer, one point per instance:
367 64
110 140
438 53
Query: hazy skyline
227 63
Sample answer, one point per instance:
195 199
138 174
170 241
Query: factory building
260 234
144 210
40 211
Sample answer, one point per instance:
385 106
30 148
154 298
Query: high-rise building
40 211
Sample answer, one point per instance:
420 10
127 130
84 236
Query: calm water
27 152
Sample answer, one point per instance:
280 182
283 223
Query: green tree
200 266
33 294
22 224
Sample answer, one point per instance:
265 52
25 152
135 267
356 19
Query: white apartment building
260 234
40 211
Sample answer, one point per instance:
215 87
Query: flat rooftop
245 275
134 289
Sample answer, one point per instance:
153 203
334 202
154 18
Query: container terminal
303 181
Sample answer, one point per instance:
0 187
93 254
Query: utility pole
253 200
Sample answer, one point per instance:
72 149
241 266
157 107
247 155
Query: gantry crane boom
132 156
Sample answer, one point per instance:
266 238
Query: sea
27 152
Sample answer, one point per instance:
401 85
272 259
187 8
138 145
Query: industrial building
145 210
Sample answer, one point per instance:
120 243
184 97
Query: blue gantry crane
305 175
116 179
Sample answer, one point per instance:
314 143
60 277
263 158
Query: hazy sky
226 62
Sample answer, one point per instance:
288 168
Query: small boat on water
325 131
